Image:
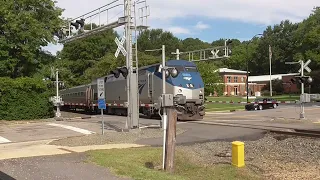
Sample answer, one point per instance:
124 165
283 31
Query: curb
74 118
226 111
242 102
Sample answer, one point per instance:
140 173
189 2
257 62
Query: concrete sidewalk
42 148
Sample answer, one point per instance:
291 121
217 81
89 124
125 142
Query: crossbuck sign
120 46
215 53
305 66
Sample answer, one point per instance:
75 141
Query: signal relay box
305 98
167 100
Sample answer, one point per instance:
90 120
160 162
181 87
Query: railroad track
269 128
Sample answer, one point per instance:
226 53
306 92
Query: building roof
227 70
267 77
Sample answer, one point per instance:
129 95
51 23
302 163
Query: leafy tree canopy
25 26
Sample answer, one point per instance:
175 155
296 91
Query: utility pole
171 140
247 55
58 113
270 57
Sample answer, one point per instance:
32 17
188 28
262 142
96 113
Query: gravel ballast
112 137
274 156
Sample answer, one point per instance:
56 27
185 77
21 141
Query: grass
144 163
243 99
223 107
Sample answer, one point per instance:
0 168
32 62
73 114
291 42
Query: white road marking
221 113
149 126
83 131
4 140
235 120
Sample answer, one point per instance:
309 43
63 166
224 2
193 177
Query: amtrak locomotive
182 80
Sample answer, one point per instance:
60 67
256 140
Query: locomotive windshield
191 69
186 69
179 68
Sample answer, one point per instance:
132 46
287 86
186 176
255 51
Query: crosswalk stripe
83 131
4 140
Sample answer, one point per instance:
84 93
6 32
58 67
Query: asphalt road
78 127
71 166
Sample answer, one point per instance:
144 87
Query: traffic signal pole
302 91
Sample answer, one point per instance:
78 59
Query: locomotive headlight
174 72
167 73
200 91
180 91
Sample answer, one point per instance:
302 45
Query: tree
277 86
211 77
155 38
25 26
308 39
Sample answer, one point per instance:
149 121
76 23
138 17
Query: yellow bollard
238 153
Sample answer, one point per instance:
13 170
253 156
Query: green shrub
24 99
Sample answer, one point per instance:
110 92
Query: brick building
235 82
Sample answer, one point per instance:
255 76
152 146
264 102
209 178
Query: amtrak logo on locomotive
141 86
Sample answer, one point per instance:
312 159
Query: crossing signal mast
302 79
212 53
135 17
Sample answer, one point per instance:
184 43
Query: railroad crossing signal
215 53
305 66
120 46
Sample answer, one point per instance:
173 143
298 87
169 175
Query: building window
236 79
242 79
229 79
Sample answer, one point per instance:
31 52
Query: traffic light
62 32
124 71
227 51
228 42
116 73
303 79
78 23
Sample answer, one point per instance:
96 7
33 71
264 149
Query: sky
207 20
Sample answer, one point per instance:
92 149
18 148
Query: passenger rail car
182 80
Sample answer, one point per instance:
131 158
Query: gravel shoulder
274 156
112 137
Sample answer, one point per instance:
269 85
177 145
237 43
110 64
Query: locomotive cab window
179 68
191 69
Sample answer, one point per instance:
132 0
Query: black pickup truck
262 103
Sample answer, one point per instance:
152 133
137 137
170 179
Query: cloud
266 12
201 26
178 30
251 11
53 48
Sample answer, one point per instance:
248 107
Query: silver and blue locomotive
183 81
